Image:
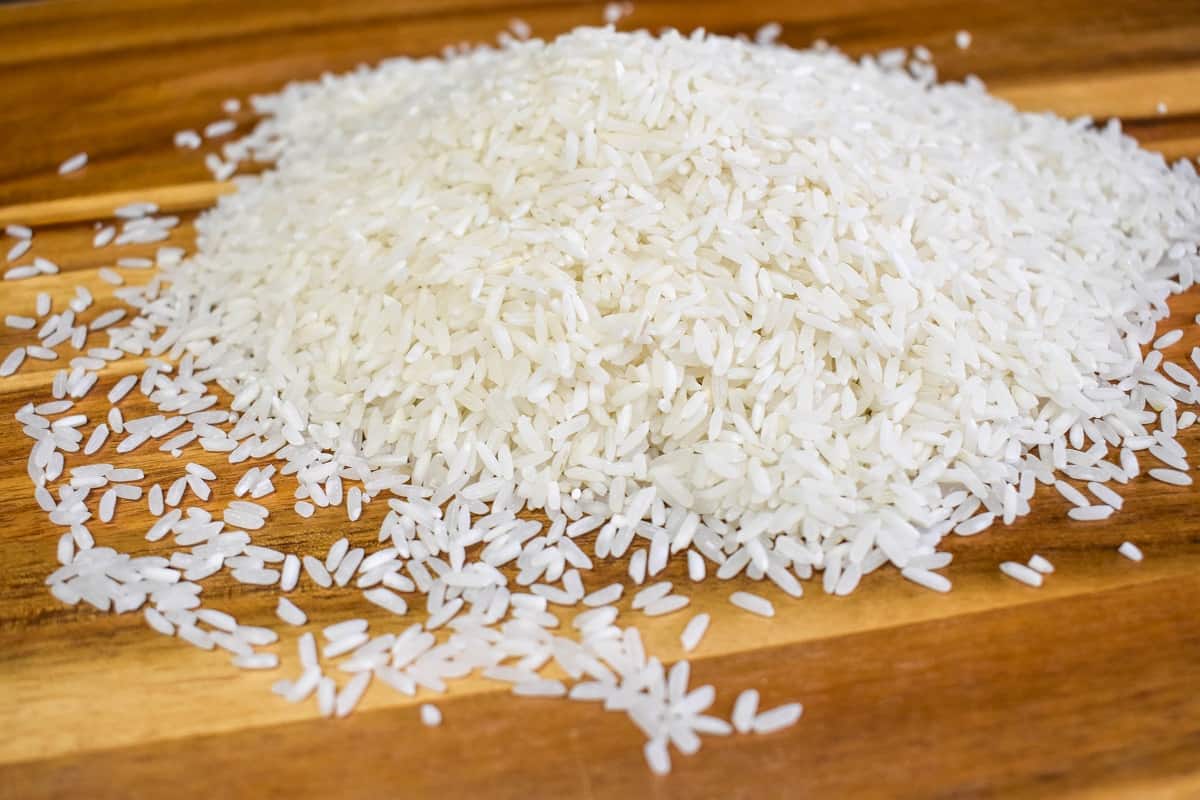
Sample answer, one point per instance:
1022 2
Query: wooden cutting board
1089 686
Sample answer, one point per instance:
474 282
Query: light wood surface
1088 687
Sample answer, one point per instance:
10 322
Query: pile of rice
779 313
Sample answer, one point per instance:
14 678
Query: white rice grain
431 716
927 578
753 603
1022 573
1091 513
1171 476
694 631
73 164
289 612
1130 551
778 718
745 710
1040 564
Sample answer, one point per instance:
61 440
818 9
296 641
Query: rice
613 12
926 578
289 612
651 593
337 551
340 630
156 620
20 273
103 238
792 337
195 637
45 266
540 688
348 566
777 718
694 631
256 576
121 389
665 605
317 572
345 644
289 575
215 130
753 603
12 362
1171 476
1072 494
1022 573
256 661
1106 495
431 716
637 567
1130 551
326 696
387 599
1168 339
108 505
655 750
307 650
745 709
1091 513
188 139
305 685
602 597
1040 564
443 614
73 164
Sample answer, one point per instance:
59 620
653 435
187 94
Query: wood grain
1089 687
